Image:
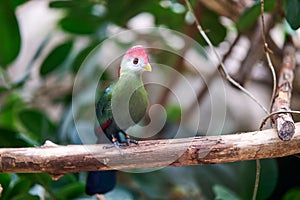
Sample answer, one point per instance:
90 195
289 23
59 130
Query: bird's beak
147 67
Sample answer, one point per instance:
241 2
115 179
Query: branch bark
284 123
58 160
231 9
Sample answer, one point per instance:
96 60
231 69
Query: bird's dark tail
100 182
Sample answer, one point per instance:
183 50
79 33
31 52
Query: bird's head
135 60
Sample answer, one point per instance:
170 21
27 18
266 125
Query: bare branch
230 9
59 160
284 122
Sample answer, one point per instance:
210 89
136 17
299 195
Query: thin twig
276 113
223 68
201 93
273 91
257 175
267 50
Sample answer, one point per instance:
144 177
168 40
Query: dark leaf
5 181
120 12
214 29
8 111
268 178
3 89
10 138
81 23
37 123
292 12
10 38
71 191
292 194
41 179
250 15
166 16
17 3
64 4
26 196
20 189
81 56
56 58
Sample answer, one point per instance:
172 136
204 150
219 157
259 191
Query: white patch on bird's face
134 64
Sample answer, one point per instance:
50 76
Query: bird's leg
117 144
129 140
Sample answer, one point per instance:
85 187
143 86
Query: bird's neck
131 78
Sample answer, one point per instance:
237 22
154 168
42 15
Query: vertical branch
284 122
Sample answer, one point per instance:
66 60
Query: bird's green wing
103 107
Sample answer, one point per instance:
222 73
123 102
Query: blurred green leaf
71 191
292 194
66 4
173 113
10 138
10 105
81 23
21 187
37 123
56 57
63 181
166 16
41 179
5 181
216 32
267 182
10 38
17 3
82 55
3 89
292 12
120 12
25 197
223 193
250 15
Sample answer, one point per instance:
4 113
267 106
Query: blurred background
54 55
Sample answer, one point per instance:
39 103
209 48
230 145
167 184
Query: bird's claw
117 145
128 141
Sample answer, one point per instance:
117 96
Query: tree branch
58 160
284 123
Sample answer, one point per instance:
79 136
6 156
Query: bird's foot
117 145
129 140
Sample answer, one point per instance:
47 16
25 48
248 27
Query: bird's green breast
129 100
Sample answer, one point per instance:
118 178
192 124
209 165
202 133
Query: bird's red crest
137 51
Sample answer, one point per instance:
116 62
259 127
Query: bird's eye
135 61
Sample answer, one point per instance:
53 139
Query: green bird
121 105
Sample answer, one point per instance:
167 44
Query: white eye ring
135 61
